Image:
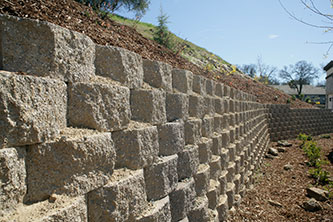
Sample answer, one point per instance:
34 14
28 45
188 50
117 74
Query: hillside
75 16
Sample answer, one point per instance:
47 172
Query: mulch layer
288 188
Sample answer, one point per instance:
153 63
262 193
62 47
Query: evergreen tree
162 34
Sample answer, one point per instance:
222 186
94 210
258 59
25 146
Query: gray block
188 161
222 208
207 126
161 178
13 176
201 179
213 193
205 150
217 144
218 123
122 199
192 130
215 167
171 138
148 106
158 74
94 105
74 165
199 84
182 80
120 65
158 212
182 199
177 106
218 103
200 210
210 87
197 106
44 49
32 109
219 90
136 147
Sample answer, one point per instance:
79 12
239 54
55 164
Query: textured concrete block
13 176
161 178
231 194
158 74
218 106
209 105
201 179
74 165
207 126
148 106
44 49
222 208
219 90
120 65
197 106
218 123
32 109
104 107
159 211
200 210
223 181
205 150
213 194
188 161
62 209
199 84
171 138
182 199
136 147
192 130
182 80
210 87
217 144
122 199
215 167
224 158
177 106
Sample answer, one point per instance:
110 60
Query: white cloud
273 36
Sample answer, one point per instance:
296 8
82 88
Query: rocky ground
281 186
73 15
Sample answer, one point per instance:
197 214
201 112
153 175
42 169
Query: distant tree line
296 76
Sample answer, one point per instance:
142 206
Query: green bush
312 151
293 97
320 175
303 137
327 136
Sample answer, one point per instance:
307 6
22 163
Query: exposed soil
78 17
285 187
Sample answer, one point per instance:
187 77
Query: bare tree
262 72
298 75
326 19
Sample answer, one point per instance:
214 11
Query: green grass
186 49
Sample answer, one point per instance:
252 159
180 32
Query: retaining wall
287 123
96 133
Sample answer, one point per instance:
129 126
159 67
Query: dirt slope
75 16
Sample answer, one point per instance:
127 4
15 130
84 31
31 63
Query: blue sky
241 31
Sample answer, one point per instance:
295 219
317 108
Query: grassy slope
188 50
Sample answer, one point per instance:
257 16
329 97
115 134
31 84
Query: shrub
313 153
162 34
293 97
322 176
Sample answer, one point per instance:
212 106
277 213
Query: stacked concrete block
122 199
219 90
148 105
136 147
215 167
197 106
200 210
158 74
182 81
199 85
120 65
201 179
72 165
161 178
44 49
213 194
193 130
205 150
171 138
159 211
177 106
100 106
188 161
182 199
13 176
207 127
32 109
222 208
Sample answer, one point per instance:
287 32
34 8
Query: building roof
328 66
307 90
